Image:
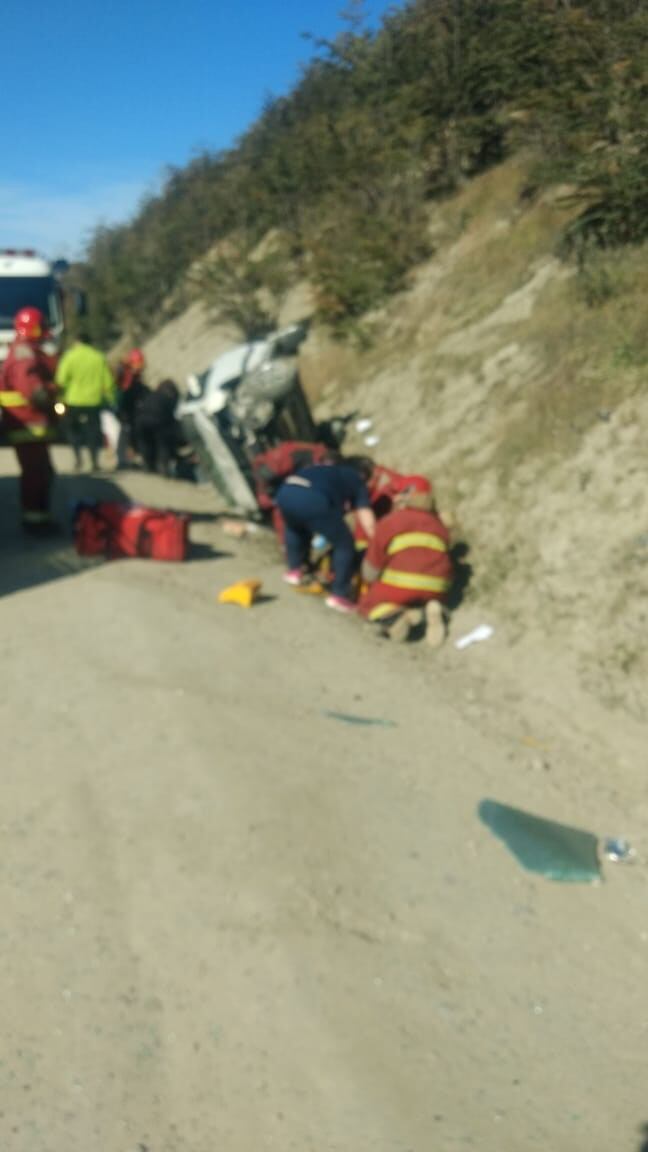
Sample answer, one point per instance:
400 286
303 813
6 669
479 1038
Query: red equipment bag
165 536
115 530
90 532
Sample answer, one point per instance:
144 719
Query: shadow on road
26 562
199 517
462 574
206 552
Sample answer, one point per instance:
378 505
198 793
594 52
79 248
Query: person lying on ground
313 502
407 567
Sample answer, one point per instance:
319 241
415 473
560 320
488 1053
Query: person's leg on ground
398 628
43 465
435 629
403 624
123 446
336 531
94 435
297 506
297 543
148 447
393 620
36 476
74 434
166 442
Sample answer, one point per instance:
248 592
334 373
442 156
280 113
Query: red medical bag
112 529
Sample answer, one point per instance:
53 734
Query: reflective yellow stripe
414 581
36 517
382 610
13 400
416 540
28 434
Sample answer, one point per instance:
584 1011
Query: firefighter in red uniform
407 566
27 395
385 486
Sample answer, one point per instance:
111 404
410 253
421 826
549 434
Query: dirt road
231 923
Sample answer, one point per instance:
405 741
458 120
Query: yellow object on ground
312 589
243 593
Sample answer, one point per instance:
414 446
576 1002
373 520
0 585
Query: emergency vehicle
27 280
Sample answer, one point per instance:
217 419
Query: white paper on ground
482 632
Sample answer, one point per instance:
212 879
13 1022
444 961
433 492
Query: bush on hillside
377 123
247 287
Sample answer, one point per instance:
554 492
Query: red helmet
418 484
135 358
29 324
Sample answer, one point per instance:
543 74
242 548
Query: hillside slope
518 385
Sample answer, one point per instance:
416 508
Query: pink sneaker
340 603
293 576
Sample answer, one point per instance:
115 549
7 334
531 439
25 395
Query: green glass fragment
348 718
553 850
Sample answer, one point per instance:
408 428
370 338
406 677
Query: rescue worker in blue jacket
315 501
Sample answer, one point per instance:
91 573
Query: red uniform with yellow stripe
27 392
411 552
385 486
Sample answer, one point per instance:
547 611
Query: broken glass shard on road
553 850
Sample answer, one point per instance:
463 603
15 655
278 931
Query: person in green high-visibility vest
88 386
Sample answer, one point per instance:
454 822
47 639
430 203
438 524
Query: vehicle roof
227 369
20 265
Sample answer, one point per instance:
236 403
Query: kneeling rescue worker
27 396
407 566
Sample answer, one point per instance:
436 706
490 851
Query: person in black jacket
131 392
157 431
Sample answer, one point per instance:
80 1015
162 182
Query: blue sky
100 97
